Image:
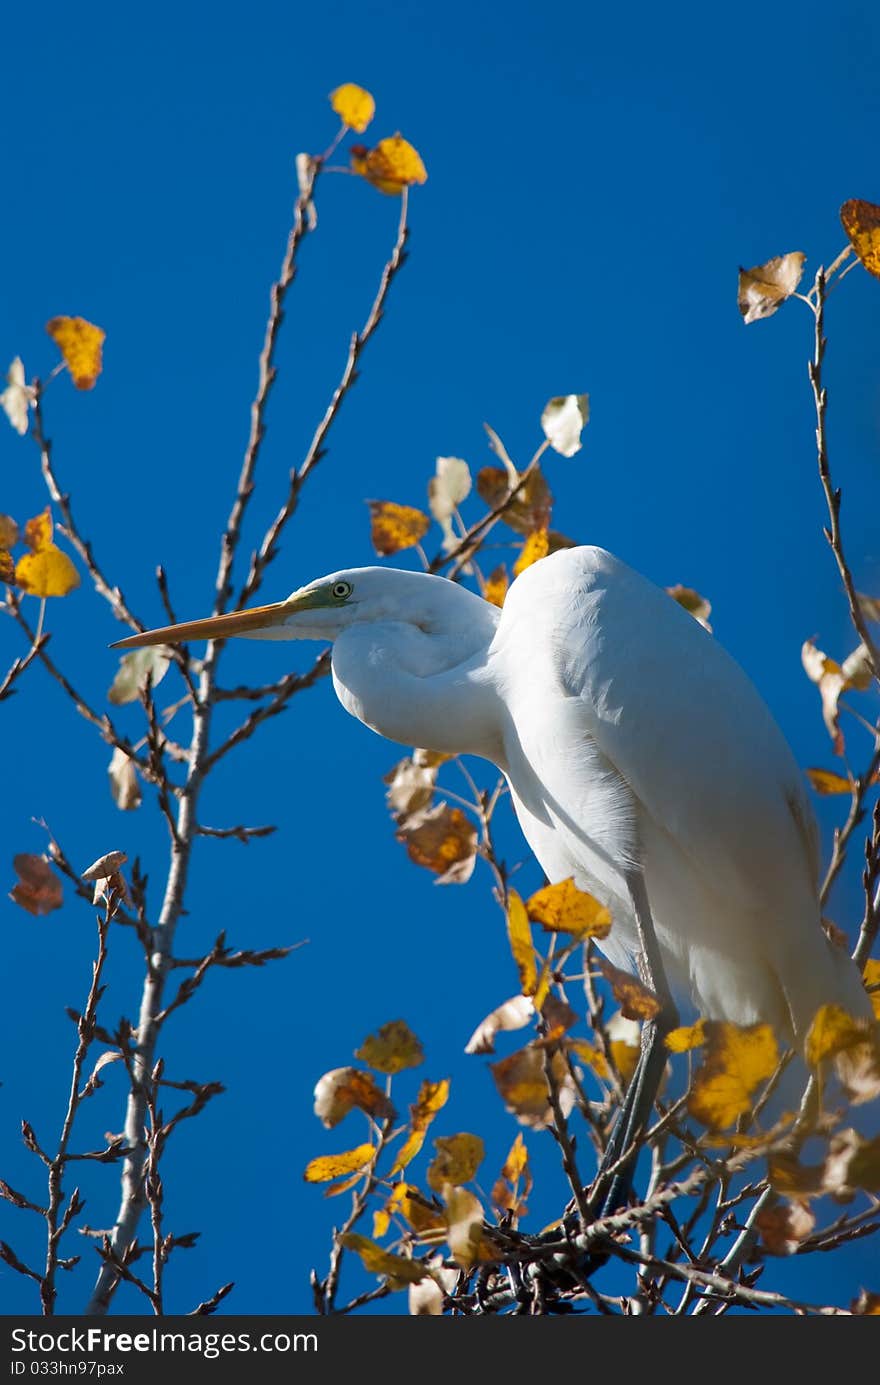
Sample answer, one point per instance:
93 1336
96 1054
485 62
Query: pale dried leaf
124 783
513 1014
563 420
764 288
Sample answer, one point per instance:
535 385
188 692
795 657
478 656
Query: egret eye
341 590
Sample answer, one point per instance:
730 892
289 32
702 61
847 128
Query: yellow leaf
542 996
496 586
441 839
520 937
354 106
691 601
394 1048
635 1000
737 1060
833 1031
763 289
563 908
38 531
432 1097
393 165
395 1268
686 1037
395 527
536 546
329 1166
80 344
592 1056
861 221
626 1058
872 979
48 572
825 781
517 1160
457 1160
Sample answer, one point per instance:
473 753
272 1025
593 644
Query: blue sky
595 179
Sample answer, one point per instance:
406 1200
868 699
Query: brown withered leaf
329 1166
432 1097
393 1049
558 1014
398 1270
785 1226
8 532
513 1014
764 288
522 1084
410 786
531 508
635 1000
496 586
441 839
866 1305
466 1233
691 601
457 1159
38 889
852 1162
737 1060
7 568
563 908
869 605
124 783
106 866
519 935
342 1090
395 527
592 1055
861 221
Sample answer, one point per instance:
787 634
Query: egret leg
611 1190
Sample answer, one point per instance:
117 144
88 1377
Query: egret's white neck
424 685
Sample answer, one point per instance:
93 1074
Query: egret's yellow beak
219 627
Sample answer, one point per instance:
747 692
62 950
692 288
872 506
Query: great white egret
640 758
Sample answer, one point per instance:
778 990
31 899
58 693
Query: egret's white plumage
634 746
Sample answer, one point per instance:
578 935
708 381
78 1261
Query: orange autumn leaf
635 1000
330 1166
825 781
38 889
522 1084
392 166
536 547
496 586
7 567
394 1048
563 908
38 531
861 221
354 105
80 344
738 1059
395 527
866 1305
441 839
